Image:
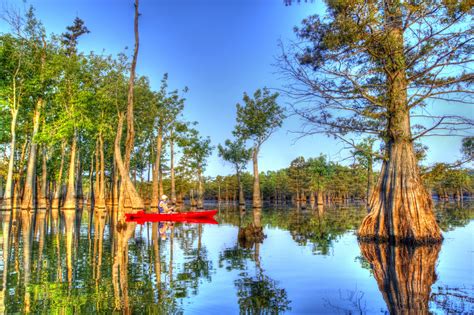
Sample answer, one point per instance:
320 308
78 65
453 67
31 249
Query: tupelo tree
257 120
368 67
238 155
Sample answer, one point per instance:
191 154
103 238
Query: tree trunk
28 198
404 274
320 200
160 182
7 198
129 198
79 191
257 201
200 199
400 207
42 196
115 185
100 197
241 190
370 180
70 200
156 170
173 183
58 188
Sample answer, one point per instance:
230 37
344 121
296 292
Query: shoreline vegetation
364 81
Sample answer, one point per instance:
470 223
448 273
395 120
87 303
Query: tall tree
129 197
257 120
198 149
238 155
366 67
70 88
12 52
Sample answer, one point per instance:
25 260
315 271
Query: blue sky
218 49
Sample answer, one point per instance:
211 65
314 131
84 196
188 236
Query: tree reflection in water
404 274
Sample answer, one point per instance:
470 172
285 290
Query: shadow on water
89 261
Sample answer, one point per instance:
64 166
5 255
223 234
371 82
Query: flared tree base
401 210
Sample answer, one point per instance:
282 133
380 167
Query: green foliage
259 117
235 153
342 70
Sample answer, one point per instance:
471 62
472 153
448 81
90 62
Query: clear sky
218 49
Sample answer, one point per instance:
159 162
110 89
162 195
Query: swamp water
309 263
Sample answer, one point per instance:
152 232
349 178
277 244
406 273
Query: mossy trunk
256 199
400 207
404 274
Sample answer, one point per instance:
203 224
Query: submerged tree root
250 235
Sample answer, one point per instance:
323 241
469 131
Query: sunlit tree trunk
200 201
78 184
43 192
59 184
241 190
28 198
257 201
100 196
400 207
172 175
70 199
156 170
7 198
129 197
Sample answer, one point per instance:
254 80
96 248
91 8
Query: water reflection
404 274
88 261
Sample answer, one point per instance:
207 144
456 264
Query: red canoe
190 217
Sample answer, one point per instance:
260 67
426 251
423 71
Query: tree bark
200 201
59 185
173 182
28 198
400 207
8 196
257 201
70 199
156 170
42 196
129 198
100 197
370 180
241 190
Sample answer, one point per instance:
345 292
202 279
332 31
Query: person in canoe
163 205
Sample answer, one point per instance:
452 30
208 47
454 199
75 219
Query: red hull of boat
189 217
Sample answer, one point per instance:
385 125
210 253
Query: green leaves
259 117
235 153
